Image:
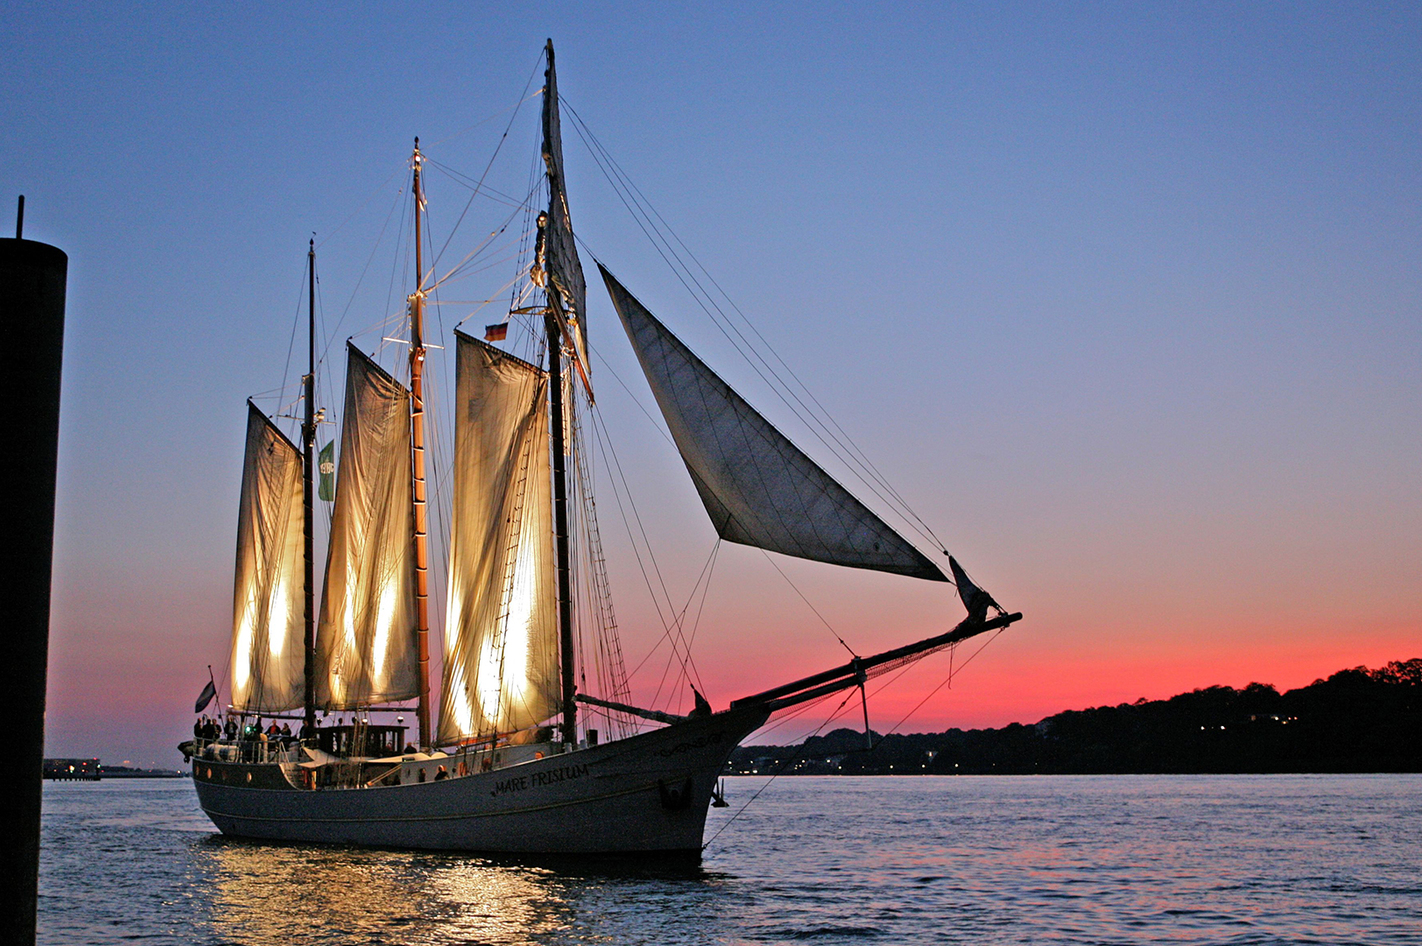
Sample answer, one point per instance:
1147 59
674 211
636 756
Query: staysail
267 618
757 486
501 632
564 270
366 646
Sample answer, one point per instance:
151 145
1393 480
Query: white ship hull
645 794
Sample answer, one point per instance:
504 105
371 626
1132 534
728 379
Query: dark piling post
32 287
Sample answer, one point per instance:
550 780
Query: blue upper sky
1123 298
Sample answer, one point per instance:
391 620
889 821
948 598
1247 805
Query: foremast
417 454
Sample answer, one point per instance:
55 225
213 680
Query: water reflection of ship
354 895
508 765
368 895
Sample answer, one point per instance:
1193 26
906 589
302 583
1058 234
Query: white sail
501 631
268 649
366 646
757 486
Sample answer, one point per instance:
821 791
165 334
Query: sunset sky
1125 301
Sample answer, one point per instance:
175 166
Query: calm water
1116 859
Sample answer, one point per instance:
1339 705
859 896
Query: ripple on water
1066 860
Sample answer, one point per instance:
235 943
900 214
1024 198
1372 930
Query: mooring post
32 288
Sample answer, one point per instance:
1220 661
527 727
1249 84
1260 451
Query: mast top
417 160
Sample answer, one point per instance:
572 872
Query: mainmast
560 522
555 421
308 464
417 441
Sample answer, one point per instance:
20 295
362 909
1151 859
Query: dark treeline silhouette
1357 720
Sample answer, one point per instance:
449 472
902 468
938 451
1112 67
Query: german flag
496 333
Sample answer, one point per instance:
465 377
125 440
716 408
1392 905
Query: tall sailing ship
509 764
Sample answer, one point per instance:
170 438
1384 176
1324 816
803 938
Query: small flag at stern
496 333
205 697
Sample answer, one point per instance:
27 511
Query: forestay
757 486
267 615
501 633
367 651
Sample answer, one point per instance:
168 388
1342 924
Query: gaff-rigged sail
366 645
564 270
501 632
267 617
757 486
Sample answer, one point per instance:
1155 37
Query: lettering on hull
700 742
522 783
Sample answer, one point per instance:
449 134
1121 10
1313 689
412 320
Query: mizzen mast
417 454
308 449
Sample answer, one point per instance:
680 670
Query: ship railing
249 750
271 751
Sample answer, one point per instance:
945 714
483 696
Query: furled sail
268 652
975 599
758 487
501 631
564 271
366 645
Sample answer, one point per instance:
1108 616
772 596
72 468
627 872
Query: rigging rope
947 681
673 631
380 239
479 183
822 427
380 187
797 591
681 624
610 668
793 759
804 745
291 342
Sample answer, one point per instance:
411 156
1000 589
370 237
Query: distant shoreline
92 770
1358 721
911 775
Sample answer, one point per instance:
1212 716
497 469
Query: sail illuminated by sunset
501 634
267 656
365 643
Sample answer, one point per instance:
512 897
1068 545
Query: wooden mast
308 463
417 441
560 483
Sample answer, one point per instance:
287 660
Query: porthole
249 778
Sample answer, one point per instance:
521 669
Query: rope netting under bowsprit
844 705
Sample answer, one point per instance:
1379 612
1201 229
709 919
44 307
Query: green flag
326 463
